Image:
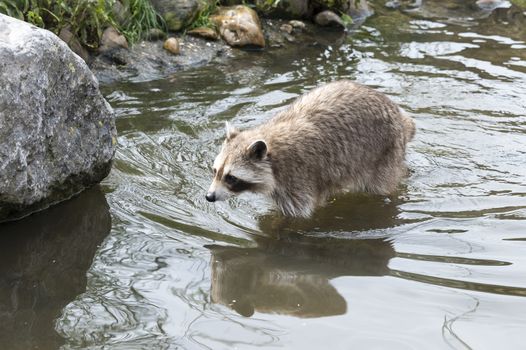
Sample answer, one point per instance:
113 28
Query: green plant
12 8
86 19
203 16
347 20
142 18
519 3
267 5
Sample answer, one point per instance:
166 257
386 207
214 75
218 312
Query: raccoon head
242 165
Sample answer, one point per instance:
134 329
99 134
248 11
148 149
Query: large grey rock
57 133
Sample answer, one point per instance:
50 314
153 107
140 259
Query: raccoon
341 136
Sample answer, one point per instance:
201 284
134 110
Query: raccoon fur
341 136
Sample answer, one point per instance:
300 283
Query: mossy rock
284 9
287 9
179 14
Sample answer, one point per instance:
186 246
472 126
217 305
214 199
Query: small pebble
297 24
172 45
286 28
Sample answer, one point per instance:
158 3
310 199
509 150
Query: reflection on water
43 264
439 264
347 213
291 276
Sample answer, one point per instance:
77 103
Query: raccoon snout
211 196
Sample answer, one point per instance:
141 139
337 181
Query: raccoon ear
230 131
257 149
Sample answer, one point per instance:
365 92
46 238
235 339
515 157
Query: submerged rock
491 5
239 26
57 133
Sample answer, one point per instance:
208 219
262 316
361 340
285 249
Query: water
440 264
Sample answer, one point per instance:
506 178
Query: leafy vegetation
347 20
86 19
142 18
520 3
203 16
267 5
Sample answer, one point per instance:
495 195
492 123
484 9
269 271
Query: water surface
439 264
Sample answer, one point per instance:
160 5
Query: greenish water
441 264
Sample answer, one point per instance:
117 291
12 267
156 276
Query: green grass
86 18
203 17
143 17
520 3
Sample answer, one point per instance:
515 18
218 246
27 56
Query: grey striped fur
341 136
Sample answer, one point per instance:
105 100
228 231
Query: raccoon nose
211 196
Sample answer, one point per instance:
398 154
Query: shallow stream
143 261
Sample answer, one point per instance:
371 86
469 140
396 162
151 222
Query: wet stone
172 46
112 39
297 24
204 32
287 28
155 34
329 19
239 26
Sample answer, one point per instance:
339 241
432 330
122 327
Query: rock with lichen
178 14
239 26
57 132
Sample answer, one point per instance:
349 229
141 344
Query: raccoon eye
214 170
230 179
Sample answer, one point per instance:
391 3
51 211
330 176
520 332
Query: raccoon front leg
294 205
